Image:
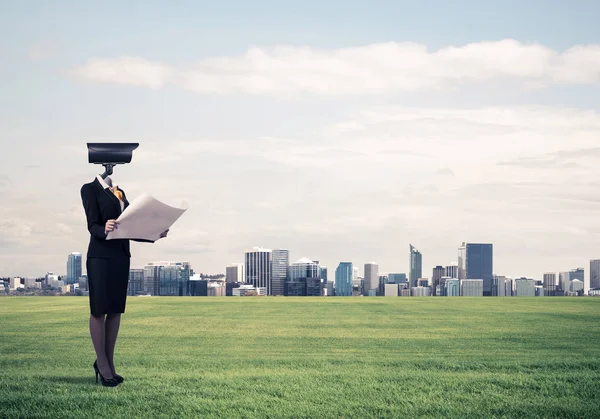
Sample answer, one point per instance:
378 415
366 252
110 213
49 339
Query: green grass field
306 357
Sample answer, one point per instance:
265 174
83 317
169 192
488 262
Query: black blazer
100 206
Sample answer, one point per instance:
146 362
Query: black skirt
107 283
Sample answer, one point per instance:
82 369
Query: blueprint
146 218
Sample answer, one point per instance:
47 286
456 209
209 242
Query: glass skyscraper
595 274
280 260
258 268
476 259
416 266
343 279
73 268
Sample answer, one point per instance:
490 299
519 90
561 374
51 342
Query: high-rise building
280 260
549 279
577 286
371 279
343 279
524 287
174 278
564 281
234 273
549 283
452 287
438 273
476 262
416 266
462 261
304 278
577 273
73 268
595 274
323 272
397 278
452 270
167 278
509 287
258 268
499 286
136 282
471 287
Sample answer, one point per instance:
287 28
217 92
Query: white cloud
372 69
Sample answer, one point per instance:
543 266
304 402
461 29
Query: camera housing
110 154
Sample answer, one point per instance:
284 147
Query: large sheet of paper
146 218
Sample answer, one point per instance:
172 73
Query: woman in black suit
108 272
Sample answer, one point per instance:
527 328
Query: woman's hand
164 234
111 225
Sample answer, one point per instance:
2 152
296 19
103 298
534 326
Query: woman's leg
97 330
113 322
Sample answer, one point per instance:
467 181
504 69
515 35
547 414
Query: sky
342 131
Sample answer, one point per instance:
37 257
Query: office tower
438 273
234 273
524 287
595 274
304 279
452 270
564 281
499 286
354 273
423 282
14 284
73 268
280 260
173 279
323 272
258 268
303 268
383 281
416 266
549 284
577 286
509 287
475 261
83 283
371 279
471 287
136 282
577 273
462 261
453 287
440 290
549 279
397 278
357 286
167 278
343 279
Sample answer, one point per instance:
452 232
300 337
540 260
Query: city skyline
270 266
358 128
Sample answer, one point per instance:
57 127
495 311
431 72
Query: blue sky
334 129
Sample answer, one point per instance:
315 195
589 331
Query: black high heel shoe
115 376
111 382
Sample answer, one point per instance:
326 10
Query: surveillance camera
110 153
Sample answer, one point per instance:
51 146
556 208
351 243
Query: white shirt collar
102 182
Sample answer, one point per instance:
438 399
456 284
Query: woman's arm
94 221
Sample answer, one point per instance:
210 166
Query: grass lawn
306 357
